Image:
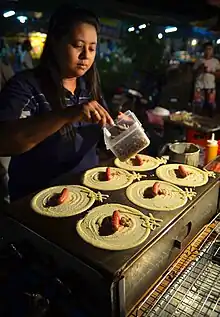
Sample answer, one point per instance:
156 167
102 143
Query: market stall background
116 280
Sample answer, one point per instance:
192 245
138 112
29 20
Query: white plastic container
127 137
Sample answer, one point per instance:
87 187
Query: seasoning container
211 149
126 137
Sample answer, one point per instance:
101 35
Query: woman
52 115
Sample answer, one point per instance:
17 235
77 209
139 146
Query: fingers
86 114
105 116
96 116
97 113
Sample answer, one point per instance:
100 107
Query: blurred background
149 46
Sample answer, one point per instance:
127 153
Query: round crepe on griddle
172 197
96 178
79 200
128 237
149 163
169 173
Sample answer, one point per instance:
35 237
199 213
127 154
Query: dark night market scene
109 158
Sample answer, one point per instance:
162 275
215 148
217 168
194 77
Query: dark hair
205 45
62 21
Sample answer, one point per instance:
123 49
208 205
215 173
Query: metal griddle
115 281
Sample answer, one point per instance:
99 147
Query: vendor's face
76 53
208 51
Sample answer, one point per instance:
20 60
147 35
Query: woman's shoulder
21 92
25 77
25 81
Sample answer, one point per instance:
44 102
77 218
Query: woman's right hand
94 112
91 112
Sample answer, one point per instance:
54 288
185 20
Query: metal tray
191 287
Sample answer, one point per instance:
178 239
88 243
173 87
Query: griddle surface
62 231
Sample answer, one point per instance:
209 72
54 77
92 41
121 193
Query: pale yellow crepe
128 237
196 177
149 164
80 199
120 179
173 196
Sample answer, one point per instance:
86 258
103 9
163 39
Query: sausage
139 160
125 118
215 167
63 196
108 174
116 220
156 189
183 172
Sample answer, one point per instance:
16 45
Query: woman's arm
20 135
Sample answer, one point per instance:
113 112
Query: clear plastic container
127 137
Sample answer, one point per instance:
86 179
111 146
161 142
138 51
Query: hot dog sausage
108 174
139 160
183 172
116 220
156 189
63 196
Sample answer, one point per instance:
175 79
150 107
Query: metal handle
164 148
178 243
